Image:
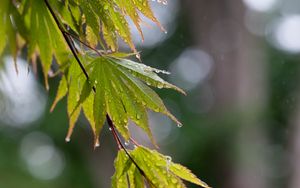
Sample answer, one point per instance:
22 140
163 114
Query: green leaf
186 174
120 95
147 74
61 92
45 36
119 179
3 20
99 106
158 170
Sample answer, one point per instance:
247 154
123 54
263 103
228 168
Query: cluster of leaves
121 92
159 171
100 83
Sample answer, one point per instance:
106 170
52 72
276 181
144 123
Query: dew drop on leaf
159 86
169 160
174 180
127 143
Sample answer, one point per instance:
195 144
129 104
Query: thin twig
111 125
74 52
85 44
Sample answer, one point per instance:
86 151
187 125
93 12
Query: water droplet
174 180
156 109
165 2
67 139
169 160
166 32
110 129
160 86
127 143
138 56
97 144
179 125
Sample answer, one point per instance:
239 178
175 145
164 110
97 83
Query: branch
69 41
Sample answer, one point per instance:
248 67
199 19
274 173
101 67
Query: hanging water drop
67 139
138 56
97 144
179 125
166 32
110 129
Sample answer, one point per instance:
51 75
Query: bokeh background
239 62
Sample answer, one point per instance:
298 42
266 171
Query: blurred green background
239 63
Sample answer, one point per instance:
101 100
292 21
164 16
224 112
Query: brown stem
69 41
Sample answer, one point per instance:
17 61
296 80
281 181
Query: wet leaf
158 171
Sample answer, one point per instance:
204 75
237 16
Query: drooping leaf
61 92
119 94
45 37
119 179
158 170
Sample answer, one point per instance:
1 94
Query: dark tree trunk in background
238 82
